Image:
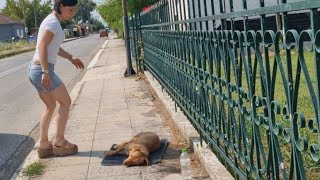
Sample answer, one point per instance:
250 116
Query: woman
48 84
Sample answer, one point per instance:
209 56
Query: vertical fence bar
171 19
213 13
205 14
199 14
194 15
176 14
245 60
222 4
315 26
179 12
186 25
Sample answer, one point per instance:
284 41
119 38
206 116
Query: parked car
103 33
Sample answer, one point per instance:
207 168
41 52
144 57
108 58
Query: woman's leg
45 120
62 96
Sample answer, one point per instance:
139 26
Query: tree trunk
124 8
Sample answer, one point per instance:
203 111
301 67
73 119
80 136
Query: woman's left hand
77 63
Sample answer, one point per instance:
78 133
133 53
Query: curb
208 159
33 156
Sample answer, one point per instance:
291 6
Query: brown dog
137 148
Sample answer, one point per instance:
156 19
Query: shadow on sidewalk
14 148
171 153
99 154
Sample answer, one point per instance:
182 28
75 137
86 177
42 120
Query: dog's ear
144 152
147 161
133 147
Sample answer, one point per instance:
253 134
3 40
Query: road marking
104 44
96 57
13 70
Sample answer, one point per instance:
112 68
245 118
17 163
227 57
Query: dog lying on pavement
137 148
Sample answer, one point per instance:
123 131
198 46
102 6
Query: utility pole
129 71
82 17
24 20
35 16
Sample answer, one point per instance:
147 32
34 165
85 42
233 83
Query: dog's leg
125 143
113 152
118 148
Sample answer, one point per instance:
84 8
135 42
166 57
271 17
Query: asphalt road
20 106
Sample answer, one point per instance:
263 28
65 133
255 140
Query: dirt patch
171 159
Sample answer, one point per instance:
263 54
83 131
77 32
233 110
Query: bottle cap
184 150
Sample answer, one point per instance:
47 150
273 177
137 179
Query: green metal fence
246 74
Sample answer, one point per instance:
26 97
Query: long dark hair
57 4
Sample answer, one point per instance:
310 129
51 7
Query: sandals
63 151
45 153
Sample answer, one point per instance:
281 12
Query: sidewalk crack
95 127
125 93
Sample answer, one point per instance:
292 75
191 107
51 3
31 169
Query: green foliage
84 7
14 9
34 170
96 25
111 12
137 5
15 45
23 11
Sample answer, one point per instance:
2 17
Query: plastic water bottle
185 164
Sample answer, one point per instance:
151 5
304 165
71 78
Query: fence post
129 71
140 43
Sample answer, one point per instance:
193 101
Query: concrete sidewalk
109 108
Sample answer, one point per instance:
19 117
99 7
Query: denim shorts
35 77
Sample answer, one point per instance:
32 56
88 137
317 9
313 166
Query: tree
111 12
137 5
23 10
96 25
84 8
14 9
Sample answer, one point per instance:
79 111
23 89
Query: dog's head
137 156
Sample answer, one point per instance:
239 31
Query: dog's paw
108 153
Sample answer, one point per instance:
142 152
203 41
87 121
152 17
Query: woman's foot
63 148
45 145
45 150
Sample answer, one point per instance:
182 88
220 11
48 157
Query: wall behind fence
246 74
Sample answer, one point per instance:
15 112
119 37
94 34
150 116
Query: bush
34 170
111 12
8 46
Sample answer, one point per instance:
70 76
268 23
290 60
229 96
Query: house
10 28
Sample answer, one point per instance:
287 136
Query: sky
94 14
2 3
